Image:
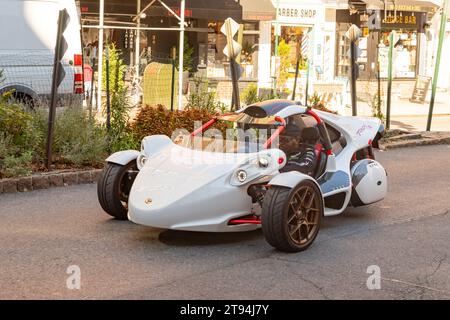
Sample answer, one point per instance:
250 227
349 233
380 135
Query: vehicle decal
332 181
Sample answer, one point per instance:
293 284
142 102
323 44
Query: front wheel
113 188
291 217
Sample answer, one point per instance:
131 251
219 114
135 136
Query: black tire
279 219
113 189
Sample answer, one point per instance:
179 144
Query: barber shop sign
300 14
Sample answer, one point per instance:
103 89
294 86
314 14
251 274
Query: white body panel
27 43
184 189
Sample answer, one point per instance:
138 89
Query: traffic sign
229 29
353 33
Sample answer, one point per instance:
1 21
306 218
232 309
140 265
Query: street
42 233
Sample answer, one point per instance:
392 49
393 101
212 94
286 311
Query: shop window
405 55
343 60
218 65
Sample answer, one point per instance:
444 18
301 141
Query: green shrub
17 165
120 134
250 94
16 140
157 120
116 69
78 139
203 98
316 102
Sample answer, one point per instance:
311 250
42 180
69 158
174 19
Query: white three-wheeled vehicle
176 186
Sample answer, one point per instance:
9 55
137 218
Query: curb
424 139
49 180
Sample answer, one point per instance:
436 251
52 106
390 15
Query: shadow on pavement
186 238
402 125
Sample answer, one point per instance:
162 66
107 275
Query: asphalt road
407 235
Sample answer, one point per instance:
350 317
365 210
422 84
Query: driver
299 146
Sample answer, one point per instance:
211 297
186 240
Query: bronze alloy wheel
291 218
303 215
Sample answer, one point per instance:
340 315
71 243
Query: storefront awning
195 9
260 10
405 5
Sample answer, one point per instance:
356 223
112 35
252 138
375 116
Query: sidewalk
419 123
403 107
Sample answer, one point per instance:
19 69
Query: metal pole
307 83
100 54
378 75
276 44
92 83
438 62
353 76
309 59
54 92
181 57
299 57
389 88
172 93
235 82
108 102
296 76
138 39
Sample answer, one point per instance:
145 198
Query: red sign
187 12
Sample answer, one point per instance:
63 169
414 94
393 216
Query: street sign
232 50
353 33
61 46
229 29
57 78
420 89
374 21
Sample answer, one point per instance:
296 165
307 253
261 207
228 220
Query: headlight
140 161
241 175
263 162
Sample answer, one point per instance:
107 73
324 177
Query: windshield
247 134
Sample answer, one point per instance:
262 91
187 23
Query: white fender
290 179
123 157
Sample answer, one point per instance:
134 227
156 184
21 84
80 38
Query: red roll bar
276 134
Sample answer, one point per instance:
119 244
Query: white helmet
369 180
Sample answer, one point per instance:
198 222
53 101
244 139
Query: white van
27 44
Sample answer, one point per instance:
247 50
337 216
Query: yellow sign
401 19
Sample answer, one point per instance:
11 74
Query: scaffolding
135 24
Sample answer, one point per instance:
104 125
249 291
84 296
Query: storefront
303 31
409 49
202 33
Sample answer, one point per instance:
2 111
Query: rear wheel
114 187
291 217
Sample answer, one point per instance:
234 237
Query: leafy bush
201 97
116 69
120 134
250 94
78 139
284 51
188 51
376 107
316 102
16 139
153 120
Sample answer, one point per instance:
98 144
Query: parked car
27 43
165 186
